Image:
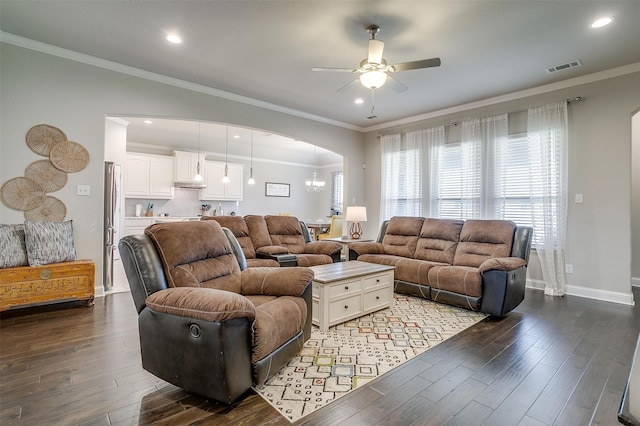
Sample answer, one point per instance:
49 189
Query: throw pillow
49 242
13 251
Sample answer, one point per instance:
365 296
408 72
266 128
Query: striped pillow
49 242
13 251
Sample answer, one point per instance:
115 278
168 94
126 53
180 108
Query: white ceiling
265 49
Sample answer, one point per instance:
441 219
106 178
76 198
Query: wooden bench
37 285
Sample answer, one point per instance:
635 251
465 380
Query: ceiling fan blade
348 86
414 65
396 85
375 51
332 69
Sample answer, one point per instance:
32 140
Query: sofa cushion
438 240
277 321
286 231
207 304
13 251
307 260
464 280
414 270
196 254
401 237
49 242
483 239
258 231
238 227
261 263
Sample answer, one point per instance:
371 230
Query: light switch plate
579 199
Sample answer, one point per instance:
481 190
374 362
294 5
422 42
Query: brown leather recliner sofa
205 324
278 239
475 264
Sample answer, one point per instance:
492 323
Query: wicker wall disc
69 156
22 193
42 137
52 210
47 175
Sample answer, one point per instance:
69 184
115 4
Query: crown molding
564 84
159 78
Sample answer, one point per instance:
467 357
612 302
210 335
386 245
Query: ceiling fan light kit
374 70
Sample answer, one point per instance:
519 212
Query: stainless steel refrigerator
112 184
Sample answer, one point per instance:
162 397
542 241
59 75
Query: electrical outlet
579 199
83 190
568 268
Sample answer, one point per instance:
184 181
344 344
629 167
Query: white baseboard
635 282
590 293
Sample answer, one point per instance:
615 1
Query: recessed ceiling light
358 101
602 22
174 38
236 136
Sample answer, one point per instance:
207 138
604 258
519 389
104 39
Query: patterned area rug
348 355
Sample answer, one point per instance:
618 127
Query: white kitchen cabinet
186 165
216 190
149 176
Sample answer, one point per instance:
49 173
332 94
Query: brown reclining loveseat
476 264
284 240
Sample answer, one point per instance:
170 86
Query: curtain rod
455 123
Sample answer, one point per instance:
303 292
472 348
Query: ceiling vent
571 64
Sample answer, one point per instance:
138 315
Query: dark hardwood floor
552 361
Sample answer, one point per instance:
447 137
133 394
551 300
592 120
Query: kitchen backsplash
185 203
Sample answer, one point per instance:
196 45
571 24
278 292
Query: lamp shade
373 79
356 214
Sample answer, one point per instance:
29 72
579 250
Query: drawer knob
346 287
377 297
346 306
377 280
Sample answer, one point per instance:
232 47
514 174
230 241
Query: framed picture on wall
273 189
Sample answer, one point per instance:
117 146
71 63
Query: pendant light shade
225 178
314 185
198 176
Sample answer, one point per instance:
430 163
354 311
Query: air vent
568 65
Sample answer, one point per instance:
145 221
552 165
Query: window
456 192
337 179
401 176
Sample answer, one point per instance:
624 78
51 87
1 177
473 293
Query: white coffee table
347 290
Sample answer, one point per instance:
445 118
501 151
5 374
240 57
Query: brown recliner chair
206 325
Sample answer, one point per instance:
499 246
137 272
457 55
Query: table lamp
355 215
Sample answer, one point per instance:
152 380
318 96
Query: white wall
635 199
599 230
75 97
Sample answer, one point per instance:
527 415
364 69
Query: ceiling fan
374 70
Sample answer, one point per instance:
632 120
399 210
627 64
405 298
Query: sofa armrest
366 247
268 251
323 247
501 264
206 304
275 281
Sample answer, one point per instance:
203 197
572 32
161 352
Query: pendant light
225 178
314 185
198 176
251 180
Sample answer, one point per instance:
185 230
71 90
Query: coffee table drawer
377 280
377 298
345 288
345 309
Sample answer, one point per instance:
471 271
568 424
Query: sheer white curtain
479 140
548 140
401 188
433 141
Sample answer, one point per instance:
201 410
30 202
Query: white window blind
401 176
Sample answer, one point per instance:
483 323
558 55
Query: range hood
189 185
